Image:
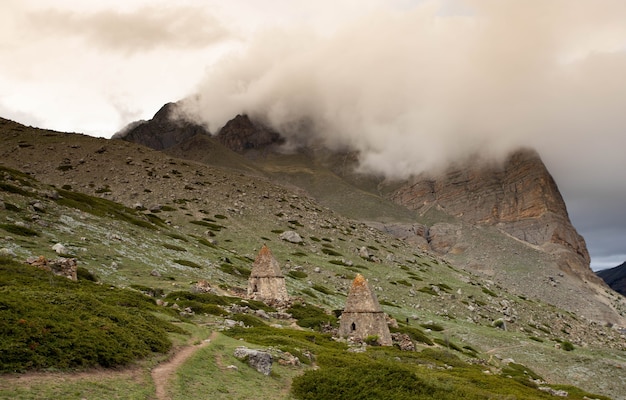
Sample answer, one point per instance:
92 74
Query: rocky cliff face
520 197
166 129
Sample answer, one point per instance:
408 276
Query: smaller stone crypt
267 283
363 316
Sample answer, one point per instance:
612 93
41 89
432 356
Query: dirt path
163 373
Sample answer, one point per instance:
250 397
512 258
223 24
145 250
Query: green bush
432 326
51 322
297 274
567 346
322 289
188 263
19 230
331 252
235 270
83 273
174 247
310 316
248 319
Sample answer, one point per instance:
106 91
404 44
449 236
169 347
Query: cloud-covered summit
412 90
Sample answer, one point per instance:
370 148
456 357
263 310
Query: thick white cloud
413 89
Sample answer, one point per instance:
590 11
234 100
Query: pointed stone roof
265 265
361 297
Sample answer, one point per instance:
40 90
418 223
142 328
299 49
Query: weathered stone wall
267 288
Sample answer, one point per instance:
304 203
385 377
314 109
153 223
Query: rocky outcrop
520 197
615 278
66 267
241 133
166 129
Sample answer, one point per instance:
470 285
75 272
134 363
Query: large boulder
257 359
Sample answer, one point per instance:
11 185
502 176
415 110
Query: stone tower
267 282
363 316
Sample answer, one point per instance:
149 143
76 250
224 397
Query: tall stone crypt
363 316
267 283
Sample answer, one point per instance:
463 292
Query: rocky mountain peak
166 129
241 133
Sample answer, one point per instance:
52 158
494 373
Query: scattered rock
553 392
232 368
5 252
291 237
365 253
259 360
156 273
403 341
202 286
60 249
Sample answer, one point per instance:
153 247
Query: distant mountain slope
615 278
519 199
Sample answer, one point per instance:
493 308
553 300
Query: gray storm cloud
413 90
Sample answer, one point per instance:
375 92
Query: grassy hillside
152 227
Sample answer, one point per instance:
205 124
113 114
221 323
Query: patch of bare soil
163 373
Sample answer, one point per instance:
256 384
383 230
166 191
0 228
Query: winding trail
163 373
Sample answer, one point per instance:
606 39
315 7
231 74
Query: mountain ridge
186 221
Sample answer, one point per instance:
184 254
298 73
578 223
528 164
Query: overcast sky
411 84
